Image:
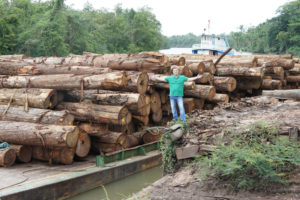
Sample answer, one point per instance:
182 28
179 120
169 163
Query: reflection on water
123 188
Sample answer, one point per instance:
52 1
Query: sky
193 16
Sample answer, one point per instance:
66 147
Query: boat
211 45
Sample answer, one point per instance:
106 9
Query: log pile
57 109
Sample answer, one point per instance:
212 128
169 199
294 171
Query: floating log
57 69
136 103
201 91
25 133
7 157
60 156
98 113
37 98
36 115
240 71
83 145
67 81
220 98
283 94
94 129
268 84
24 153
224 84
197 68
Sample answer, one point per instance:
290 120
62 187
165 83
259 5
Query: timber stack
58 109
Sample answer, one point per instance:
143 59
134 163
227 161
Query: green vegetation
254 158
48 28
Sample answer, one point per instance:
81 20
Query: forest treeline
44 28
47 28
280 34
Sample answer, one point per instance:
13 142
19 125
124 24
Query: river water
123 188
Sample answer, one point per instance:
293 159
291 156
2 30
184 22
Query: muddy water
123 188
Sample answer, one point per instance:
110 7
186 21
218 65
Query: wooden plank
186 152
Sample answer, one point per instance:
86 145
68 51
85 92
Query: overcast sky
191 16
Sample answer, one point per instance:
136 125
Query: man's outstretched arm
158 79
195 78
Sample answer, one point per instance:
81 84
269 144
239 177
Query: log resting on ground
225 84
269 84
25 133
240 71
54 155
202 91
7 157
283 94
220 98
24 153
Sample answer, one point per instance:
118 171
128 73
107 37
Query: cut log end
24 153
7 157
142 83
125 116
72 137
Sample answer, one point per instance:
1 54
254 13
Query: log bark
37 98
209 65
295 70
273 70
248 83
118 115
25 133
67 81
36 115
232 62
201 91
225 84
13 57
283 94
11 68
240 71
137 82
94 129
197 68
83 145
136 103
103 60
53 155
7 157
43 69
220 98
105 147
24 153
126 129
268 84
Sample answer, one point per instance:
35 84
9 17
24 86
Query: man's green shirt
176 85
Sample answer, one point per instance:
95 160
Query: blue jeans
179 101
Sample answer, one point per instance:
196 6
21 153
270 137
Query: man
176 83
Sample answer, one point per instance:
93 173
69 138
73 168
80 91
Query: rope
4 146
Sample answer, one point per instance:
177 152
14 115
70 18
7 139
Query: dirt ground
205 127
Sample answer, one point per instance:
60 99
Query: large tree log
293 79
232 62
197 68
36 115
126 129
25 133
103 60
183 70
38 98
220 98
283 94
94 129
13 57
114 138
225 84
99 147
248 83
98 113
271 62
205 78
136 103
137 82
176 60
209 65
24 153
7 157
11 68
53 155
273 71
83 145
295 70
202 91
56 69
240 71
268 84
68 81
157 116
155 102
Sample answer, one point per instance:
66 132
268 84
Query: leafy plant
254 158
